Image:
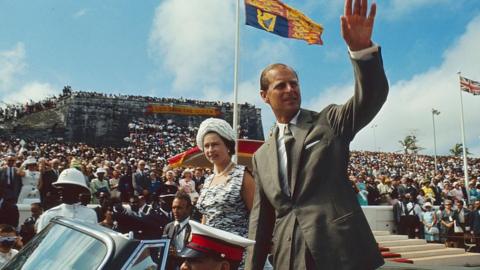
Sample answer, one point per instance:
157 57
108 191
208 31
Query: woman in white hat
227 195
99 184
30 178
429 220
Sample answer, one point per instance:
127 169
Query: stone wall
104 120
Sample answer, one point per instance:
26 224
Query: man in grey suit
305 210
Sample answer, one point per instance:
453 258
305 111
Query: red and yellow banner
182 110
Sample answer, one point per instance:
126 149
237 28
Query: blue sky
184 48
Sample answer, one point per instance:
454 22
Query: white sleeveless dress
29 192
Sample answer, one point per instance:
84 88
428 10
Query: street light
434 112
374 137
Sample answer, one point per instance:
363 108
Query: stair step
380 233
410 248
465 259
432 252
406 242
391 237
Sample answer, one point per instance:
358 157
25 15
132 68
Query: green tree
457 150
409 144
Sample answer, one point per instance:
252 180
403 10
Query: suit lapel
271 164
304 124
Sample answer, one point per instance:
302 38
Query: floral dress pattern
222 204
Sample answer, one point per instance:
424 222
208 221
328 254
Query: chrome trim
148 243
86 228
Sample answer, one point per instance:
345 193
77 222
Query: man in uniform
71 183
213 249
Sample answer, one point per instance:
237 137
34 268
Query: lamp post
434 112
374 137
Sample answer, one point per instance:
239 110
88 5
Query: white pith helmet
71 176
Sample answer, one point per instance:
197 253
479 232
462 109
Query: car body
72 244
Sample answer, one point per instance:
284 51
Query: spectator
447 224
48 175
475 224
178 231
429 220
141 181
187 184
10 179
8 239
27 230
8 210
99 184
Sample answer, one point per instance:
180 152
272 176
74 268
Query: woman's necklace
224 172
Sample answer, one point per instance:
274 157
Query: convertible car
72 244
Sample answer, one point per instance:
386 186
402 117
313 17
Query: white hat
208 241
30 161
219 126
427 204
71 176
100 170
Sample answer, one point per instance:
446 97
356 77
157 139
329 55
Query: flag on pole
470 86
278 18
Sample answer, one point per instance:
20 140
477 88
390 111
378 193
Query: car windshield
60 248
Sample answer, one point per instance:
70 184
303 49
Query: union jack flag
470 86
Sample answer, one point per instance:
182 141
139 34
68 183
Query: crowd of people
12 112
134 187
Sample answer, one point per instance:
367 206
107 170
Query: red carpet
388 255
402 260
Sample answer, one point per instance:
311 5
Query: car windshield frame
69 226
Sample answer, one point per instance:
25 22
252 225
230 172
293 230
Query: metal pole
235 80
464 146
374 138
434 112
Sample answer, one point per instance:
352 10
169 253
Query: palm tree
409 143
457 150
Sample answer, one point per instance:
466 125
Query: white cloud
408 108
31 91
194 41
12 63
80 13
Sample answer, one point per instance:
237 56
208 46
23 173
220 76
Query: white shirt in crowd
75 211
5 257
180 237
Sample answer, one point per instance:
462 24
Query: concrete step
406 242
431 252
380 233
411 248
466 259
392 237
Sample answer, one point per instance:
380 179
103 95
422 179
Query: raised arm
357 27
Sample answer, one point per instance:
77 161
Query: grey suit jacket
323 204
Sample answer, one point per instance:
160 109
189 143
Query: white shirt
180 237
5 257
75 211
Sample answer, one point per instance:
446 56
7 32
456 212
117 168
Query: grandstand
102 120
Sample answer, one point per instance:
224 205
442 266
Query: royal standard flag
278 18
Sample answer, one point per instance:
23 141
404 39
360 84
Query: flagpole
464 146
235 80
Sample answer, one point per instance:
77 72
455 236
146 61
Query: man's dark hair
7 228
180 195
265 82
